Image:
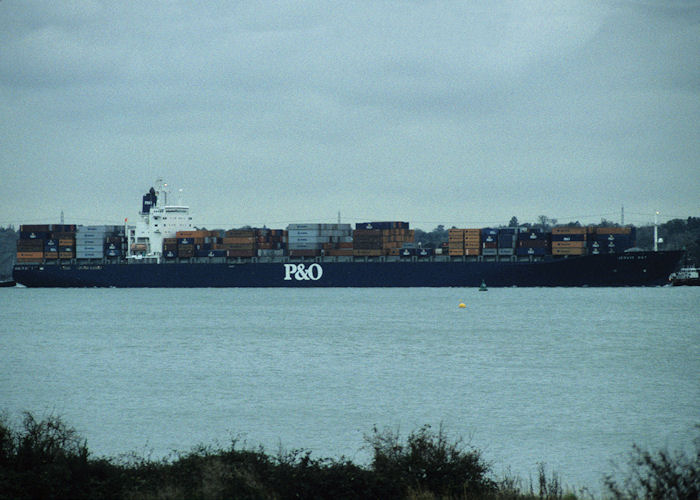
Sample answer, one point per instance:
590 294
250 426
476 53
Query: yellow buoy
462 305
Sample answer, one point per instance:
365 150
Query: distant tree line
8 250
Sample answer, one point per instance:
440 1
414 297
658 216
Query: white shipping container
294 227
308 239
89 243
270 253
304 232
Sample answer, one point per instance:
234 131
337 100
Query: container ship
163 248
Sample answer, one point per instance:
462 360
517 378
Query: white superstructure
157 220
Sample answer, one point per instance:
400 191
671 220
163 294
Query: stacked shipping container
569 240
97 242
68 241
65 234
373 239
310 240
64 241
271 242
532 242
244 243
464 242
489 241
238 243
507 238
31 242
611 239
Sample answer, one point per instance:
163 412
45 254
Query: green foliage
47 459
428 462
661 475
8 248
682 234
432 239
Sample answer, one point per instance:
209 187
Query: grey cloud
409 109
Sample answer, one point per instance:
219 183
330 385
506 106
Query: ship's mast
622 216
656 231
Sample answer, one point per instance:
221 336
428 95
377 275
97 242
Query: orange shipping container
238 239
569 251
612 230
340 252
236 246
241 253
367 252
568 244
192 234
30 255
570 230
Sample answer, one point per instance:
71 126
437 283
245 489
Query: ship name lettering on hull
300 272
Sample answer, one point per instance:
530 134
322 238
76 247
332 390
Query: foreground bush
428 462
47 459
661 475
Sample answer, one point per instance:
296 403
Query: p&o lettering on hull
300 272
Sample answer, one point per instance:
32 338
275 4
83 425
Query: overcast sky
455 113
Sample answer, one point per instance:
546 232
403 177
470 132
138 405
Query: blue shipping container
568 237
34 235
522 251
532 235
506 240
211 253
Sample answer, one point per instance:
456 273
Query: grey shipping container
305 246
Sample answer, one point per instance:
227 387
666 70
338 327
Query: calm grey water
569 377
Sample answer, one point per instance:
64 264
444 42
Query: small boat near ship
686 276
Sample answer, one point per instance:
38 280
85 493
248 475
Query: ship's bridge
158 220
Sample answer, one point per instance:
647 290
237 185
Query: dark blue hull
628 269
